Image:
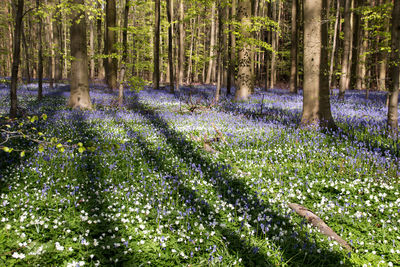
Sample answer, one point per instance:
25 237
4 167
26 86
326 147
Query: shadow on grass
10 160
233 191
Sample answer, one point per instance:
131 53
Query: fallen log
319 223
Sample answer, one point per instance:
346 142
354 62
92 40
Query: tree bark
244 76
335 31
156 48
170 47
219 51
232 50
110 49
212 44
316 103
181 49
392 121
293 50
124 54
16 59
79 96
100 61
346 50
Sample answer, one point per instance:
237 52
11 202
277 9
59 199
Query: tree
16 59
244 76
316 103
170 48
79 97
156 48
110 49
40 55
124 53
392 121
181 46
293 50
346 50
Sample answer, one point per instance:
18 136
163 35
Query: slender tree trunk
219 52
181 47
232 50
65 72
91 44
244 76
383 57
357 35
346 50
100 61
212 44
110 49
16 59
124 54
293 50
27 63
170 47
316 103
79 96
362 58
156 51
335 31
392 121
274 36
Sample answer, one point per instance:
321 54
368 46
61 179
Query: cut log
319 223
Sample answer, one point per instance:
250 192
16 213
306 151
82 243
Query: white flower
59 247
18 255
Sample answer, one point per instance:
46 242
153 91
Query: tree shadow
235 192
10 160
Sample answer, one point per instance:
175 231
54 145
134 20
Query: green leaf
41 148
22 154
6 149
80 144
81 149
44 116
59 145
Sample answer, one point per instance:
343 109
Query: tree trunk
316 103
27 63
362 58
110 42
156 48
124 54
346 50
293 50
212 44
181 59
170 47
232 50
244 76
335 31
16 59
79 97
100 61
91 44
392 121
383 57
219 51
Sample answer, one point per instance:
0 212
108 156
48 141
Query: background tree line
226 42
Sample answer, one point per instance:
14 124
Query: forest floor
172 180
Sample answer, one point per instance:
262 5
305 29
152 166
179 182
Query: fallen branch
319 223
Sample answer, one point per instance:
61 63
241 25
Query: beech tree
16 58
345 73
111 63
156 48
392 121
79 96
316 103
244 76
293 50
